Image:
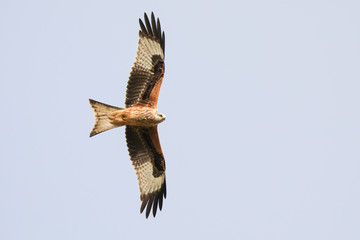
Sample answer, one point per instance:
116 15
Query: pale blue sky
262 134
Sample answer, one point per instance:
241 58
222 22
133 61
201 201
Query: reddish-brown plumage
154 96
140 116
155 139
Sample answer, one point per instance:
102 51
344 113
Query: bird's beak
163 118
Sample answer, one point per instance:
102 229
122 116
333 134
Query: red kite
140 115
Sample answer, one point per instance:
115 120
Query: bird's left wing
149 163
148 71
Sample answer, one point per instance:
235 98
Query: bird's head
159 117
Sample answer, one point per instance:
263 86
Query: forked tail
102 121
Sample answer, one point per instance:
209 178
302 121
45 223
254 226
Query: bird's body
136 116
140 115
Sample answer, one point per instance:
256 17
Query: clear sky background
261 140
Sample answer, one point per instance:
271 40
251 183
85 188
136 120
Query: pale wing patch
147 182
151 46
147 48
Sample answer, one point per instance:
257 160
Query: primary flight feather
140 115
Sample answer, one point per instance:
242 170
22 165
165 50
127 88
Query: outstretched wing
149 163
148 71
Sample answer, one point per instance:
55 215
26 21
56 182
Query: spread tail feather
102 121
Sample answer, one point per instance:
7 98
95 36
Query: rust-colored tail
102 121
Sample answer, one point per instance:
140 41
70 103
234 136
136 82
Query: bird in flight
141 116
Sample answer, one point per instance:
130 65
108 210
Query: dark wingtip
143 205
148 25
152 16
142 26
153 24
163 41
152 28
163 188
149 205
155 204
153 200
